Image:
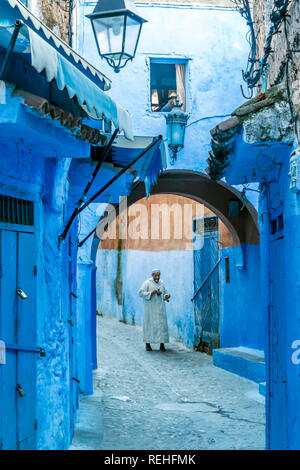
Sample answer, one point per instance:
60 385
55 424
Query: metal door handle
21 293
20 390
21 347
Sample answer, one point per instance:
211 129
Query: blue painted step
262 389
246 362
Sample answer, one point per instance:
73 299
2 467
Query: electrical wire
278 15
289 57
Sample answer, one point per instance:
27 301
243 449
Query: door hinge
35 424
1 272
35 270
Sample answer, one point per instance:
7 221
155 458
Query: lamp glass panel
169 133
177 134
132 33
109 33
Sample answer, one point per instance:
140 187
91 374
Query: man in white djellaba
155 325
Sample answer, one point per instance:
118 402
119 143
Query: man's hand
167 297
153 293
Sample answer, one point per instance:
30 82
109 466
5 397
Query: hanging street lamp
117 28
176 125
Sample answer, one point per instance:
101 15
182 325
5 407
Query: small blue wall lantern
176 125
117 28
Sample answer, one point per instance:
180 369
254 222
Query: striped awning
49 54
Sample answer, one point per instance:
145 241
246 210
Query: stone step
245 362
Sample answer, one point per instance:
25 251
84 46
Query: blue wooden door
18 331
206 287
8 333
277 366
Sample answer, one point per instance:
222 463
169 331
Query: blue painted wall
283 365
279 278
30 174
241 318
86 309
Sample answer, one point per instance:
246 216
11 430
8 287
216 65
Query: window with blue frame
167 81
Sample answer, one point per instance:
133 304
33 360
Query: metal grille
206 286
209 224
16 211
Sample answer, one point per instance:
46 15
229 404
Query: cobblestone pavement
172 400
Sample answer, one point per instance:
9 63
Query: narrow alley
172 400
149 176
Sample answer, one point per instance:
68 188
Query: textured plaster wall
28 176
54 374
85 315
107 303
28 173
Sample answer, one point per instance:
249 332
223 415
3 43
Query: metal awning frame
81 200
109 183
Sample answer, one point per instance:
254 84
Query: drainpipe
10 49
70 32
